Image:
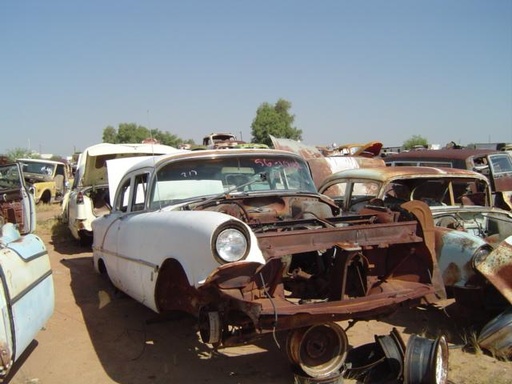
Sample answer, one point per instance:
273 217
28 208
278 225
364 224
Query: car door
500 175
17 204
134 276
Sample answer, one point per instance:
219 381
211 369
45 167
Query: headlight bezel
230 225
480 255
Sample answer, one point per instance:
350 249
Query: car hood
92 165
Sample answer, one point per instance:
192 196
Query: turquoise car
26 291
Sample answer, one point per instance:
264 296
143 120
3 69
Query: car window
396 192
123 196
361 192
9 177
337 192
445 164
139 192
195 178
40 168
501 164
433 192
422 163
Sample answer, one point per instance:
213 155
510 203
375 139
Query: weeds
471 343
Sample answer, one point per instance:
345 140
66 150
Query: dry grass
471 343
49 222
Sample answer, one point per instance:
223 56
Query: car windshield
39 168
191 179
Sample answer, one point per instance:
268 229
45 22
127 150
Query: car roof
385 174
108 148
217 153
40 161
119 167
440 154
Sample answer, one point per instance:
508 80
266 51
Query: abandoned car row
284 240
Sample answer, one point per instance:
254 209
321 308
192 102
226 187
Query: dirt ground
99 336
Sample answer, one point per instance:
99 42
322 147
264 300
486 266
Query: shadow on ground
136 345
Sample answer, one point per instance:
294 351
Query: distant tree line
274 120
25 153
133 133
271 119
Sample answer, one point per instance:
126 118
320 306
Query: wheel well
173 290
46 196
101 267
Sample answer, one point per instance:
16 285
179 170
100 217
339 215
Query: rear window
422 163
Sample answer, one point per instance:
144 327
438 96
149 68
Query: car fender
455 251
185 236
26 293
497 267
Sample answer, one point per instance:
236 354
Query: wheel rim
319 350
426 361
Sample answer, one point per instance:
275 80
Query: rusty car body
495 165
226 141
465 233
325 163
243 241
26 283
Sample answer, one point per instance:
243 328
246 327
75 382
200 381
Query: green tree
110 135
21 153
274 120
415 141
133 133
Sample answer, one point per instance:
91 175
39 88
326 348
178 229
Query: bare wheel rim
319 350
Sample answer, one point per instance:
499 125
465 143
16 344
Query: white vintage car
242 240
89 195
26 283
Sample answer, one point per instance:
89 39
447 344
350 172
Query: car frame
243 241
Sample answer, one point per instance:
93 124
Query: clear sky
354 71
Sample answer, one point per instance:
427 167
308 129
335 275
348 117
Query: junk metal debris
496 335
389 360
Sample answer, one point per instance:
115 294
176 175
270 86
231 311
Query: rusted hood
497 268
324 166
306 151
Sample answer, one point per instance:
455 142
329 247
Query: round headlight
480 255
231 245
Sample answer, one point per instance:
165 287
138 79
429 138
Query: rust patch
451 274
497 268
